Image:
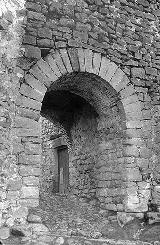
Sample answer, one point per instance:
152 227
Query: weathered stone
32 52
29 39
44 42
36 16
20 212
73 54
31 93
31 202
32 218
45 33
13 195
39 229
29 192
31 180
138 72
33 149
14 184
30 159
43 65
29 171
66 60
4 233
28 103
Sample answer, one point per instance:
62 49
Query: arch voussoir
73 55
43 65
40 75
36 84
96 63
103 67
30 92
59 61
66 60
117 78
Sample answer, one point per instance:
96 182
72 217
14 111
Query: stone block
124 83
29 171
28 113
14 184
33 149
24 132
31 93
81 58
96 62
4 233
133 174
28 103
22 122
31 181
59 63
45 33
33 6
44 42
117 78
30 192
104 67
13 195
134 124
31 202
66 60
29 159
138 72
46 69
17 147
88 56
73 55
40 75
130 100
36 84
131 151
127 91
36 16
112 67
151 71
32 218
39 229
28 39
145 152
52 63
20 212
32 52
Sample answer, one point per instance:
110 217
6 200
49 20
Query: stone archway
57 70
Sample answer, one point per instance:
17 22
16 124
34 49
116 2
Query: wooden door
63 169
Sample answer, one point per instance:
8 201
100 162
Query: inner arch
90 112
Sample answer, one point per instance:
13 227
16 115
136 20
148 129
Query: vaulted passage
89 121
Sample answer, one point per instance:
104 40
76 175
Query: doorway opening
63 169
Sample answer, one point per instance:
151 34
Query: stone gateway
79 112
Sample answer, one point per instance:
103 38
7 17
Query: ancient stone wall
124 32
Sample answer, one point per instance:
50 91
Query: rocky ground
75 222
